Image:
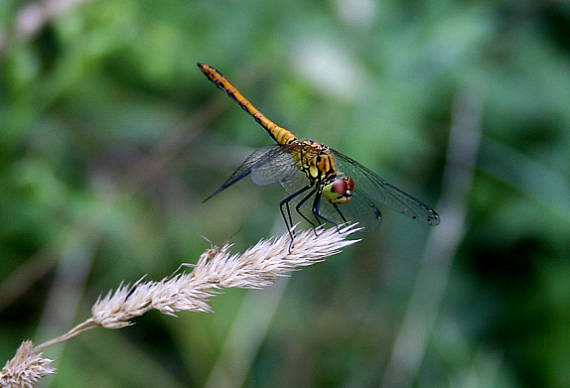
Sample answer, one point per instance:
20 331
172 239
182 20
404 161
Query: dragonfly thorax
317 162
339 190
314 159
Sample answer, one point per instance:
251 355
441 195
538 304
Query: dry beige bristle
257 267
216 268
26 368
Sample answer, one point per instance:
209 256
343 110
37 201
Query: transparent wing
267 166
372 191
276 166
359 209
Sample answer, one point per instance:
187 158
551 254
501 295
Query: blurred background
110 138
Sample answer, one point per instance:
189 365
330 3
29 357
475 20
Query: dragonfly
337 188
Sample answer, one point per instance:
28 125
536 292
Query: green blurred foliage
110 137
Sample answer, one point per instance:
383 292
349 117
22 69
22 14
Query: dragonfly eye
343 186
339 186
339 191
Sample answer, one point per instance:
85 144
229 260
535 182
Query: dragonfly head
339 190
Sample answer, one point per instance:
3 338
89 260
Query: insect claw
290 246
315 230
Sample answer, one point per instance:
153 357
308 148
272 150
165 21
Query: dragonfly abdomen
281 135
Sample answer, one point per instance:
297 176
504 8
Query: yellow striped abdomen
281 135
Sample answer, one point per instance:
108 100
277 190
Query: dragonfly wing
359 209
268 165
275 166
375 191
296 181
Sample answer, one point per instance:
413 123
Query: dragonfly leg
340 214
317 214
298 209
287 218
